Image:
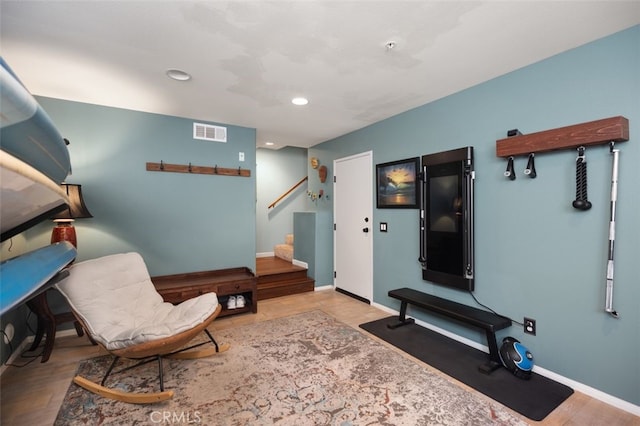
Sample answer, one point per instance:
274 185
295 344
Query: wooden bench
224 282
468 315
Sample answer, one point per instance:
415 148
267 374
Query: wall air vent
209 132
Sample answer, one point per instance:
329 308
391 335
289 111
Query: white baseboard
324 288
265 254
300 263
581 387
16 353
592 392
26 343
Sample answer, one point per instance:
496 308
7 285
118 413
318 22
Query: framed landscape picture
397 186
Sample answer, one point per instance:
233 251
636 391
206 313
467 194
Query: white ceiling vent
209 132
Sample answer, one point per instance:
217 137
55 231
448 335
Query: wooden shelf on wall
613 129
202 170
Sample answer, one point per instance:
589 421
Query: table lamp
76 209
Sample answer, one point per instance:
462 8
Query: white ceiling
249 58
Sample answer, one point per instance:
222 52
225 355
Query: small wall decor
396 184
315 196
322 174
322 169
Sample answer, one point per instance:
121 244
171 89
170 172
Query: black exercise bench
478 318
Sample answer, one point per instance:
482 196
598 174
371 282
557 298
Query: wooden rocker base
146 398
203 353
130 397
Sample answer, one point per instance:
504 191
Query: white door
353 221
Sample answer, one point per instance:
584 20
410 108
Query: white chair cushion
117 301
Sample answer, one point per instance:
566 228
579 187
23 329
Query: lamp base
64 231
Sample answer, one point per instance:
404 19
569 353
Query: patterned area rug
306 369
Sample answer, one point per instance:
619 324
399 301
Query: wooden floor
32 395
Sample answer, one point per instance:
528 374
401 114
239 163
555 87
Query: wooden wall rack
613 129
202 170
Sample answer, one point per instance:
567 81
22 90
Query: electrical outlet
241 156
530 326
383 226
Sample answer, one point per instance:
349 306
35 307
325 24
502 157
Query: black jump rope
581 202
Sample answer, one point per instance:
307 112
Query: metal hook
190 169
161 165
215 169
509 172
531 167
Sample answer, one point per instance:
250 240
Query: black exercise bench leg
403 320
494 357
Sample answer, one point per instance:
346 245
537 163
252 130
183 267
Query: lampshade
76 209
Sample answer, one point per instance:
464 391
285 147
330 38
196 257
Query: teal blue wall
310 246
178 222
536 256
304 227
276 172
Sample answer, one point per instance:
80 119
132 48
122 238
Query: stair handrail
293 188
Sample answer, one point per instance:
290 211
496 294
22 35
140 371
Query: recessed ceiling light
269 143
178 75
299 101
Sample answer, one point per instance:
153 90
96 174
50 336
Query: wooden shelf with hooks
202 170
613 129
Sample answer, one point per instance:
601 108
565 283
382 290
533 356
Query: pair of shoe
236 302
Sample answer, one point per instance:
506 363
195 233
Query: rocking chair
119 308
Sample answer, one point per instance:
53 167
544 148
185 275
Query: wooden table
48 322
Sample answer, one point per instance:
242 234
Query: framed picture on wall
396 184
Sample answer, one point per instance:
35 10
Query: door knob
365 230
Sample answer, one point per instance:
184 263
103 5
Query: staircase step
283 276
276 277
283 283
284 287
